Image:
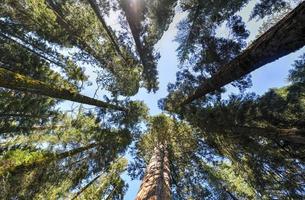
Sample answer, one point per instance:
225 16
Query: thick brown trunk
15 81
287 36
156 182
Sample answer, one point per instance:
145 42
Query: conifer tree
210 62
179 165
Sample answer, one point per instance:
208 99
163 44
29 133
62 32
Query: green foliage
56 161
245 147
15 158
110 185
244 129
71 24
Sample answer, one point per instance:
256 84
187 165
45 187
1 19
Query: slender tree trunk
156 182
134 15
94 5
134 12
58 63
287 36
85 187
74 34
15 81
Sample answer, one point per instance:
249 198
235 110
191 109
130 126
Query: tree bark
287 36
15 81
134 15
156 182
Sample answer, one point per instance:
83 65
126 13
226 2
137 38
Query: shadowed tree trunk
134 12
287 36
85 187
95 7
15 81
156 182
134 15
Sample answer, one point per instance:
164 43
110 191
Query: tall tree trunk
134 12
85 187
156 182
94 5
287 36
31 50
15 81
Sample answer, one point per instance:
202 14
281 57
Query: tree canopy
72 128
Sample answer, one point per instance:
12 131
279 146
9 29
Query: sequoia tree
261 136
179 166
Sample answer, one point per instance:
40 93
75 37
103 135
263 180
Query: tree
146 33
204 54
275 44
65 24
23 110
243 147
176 166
